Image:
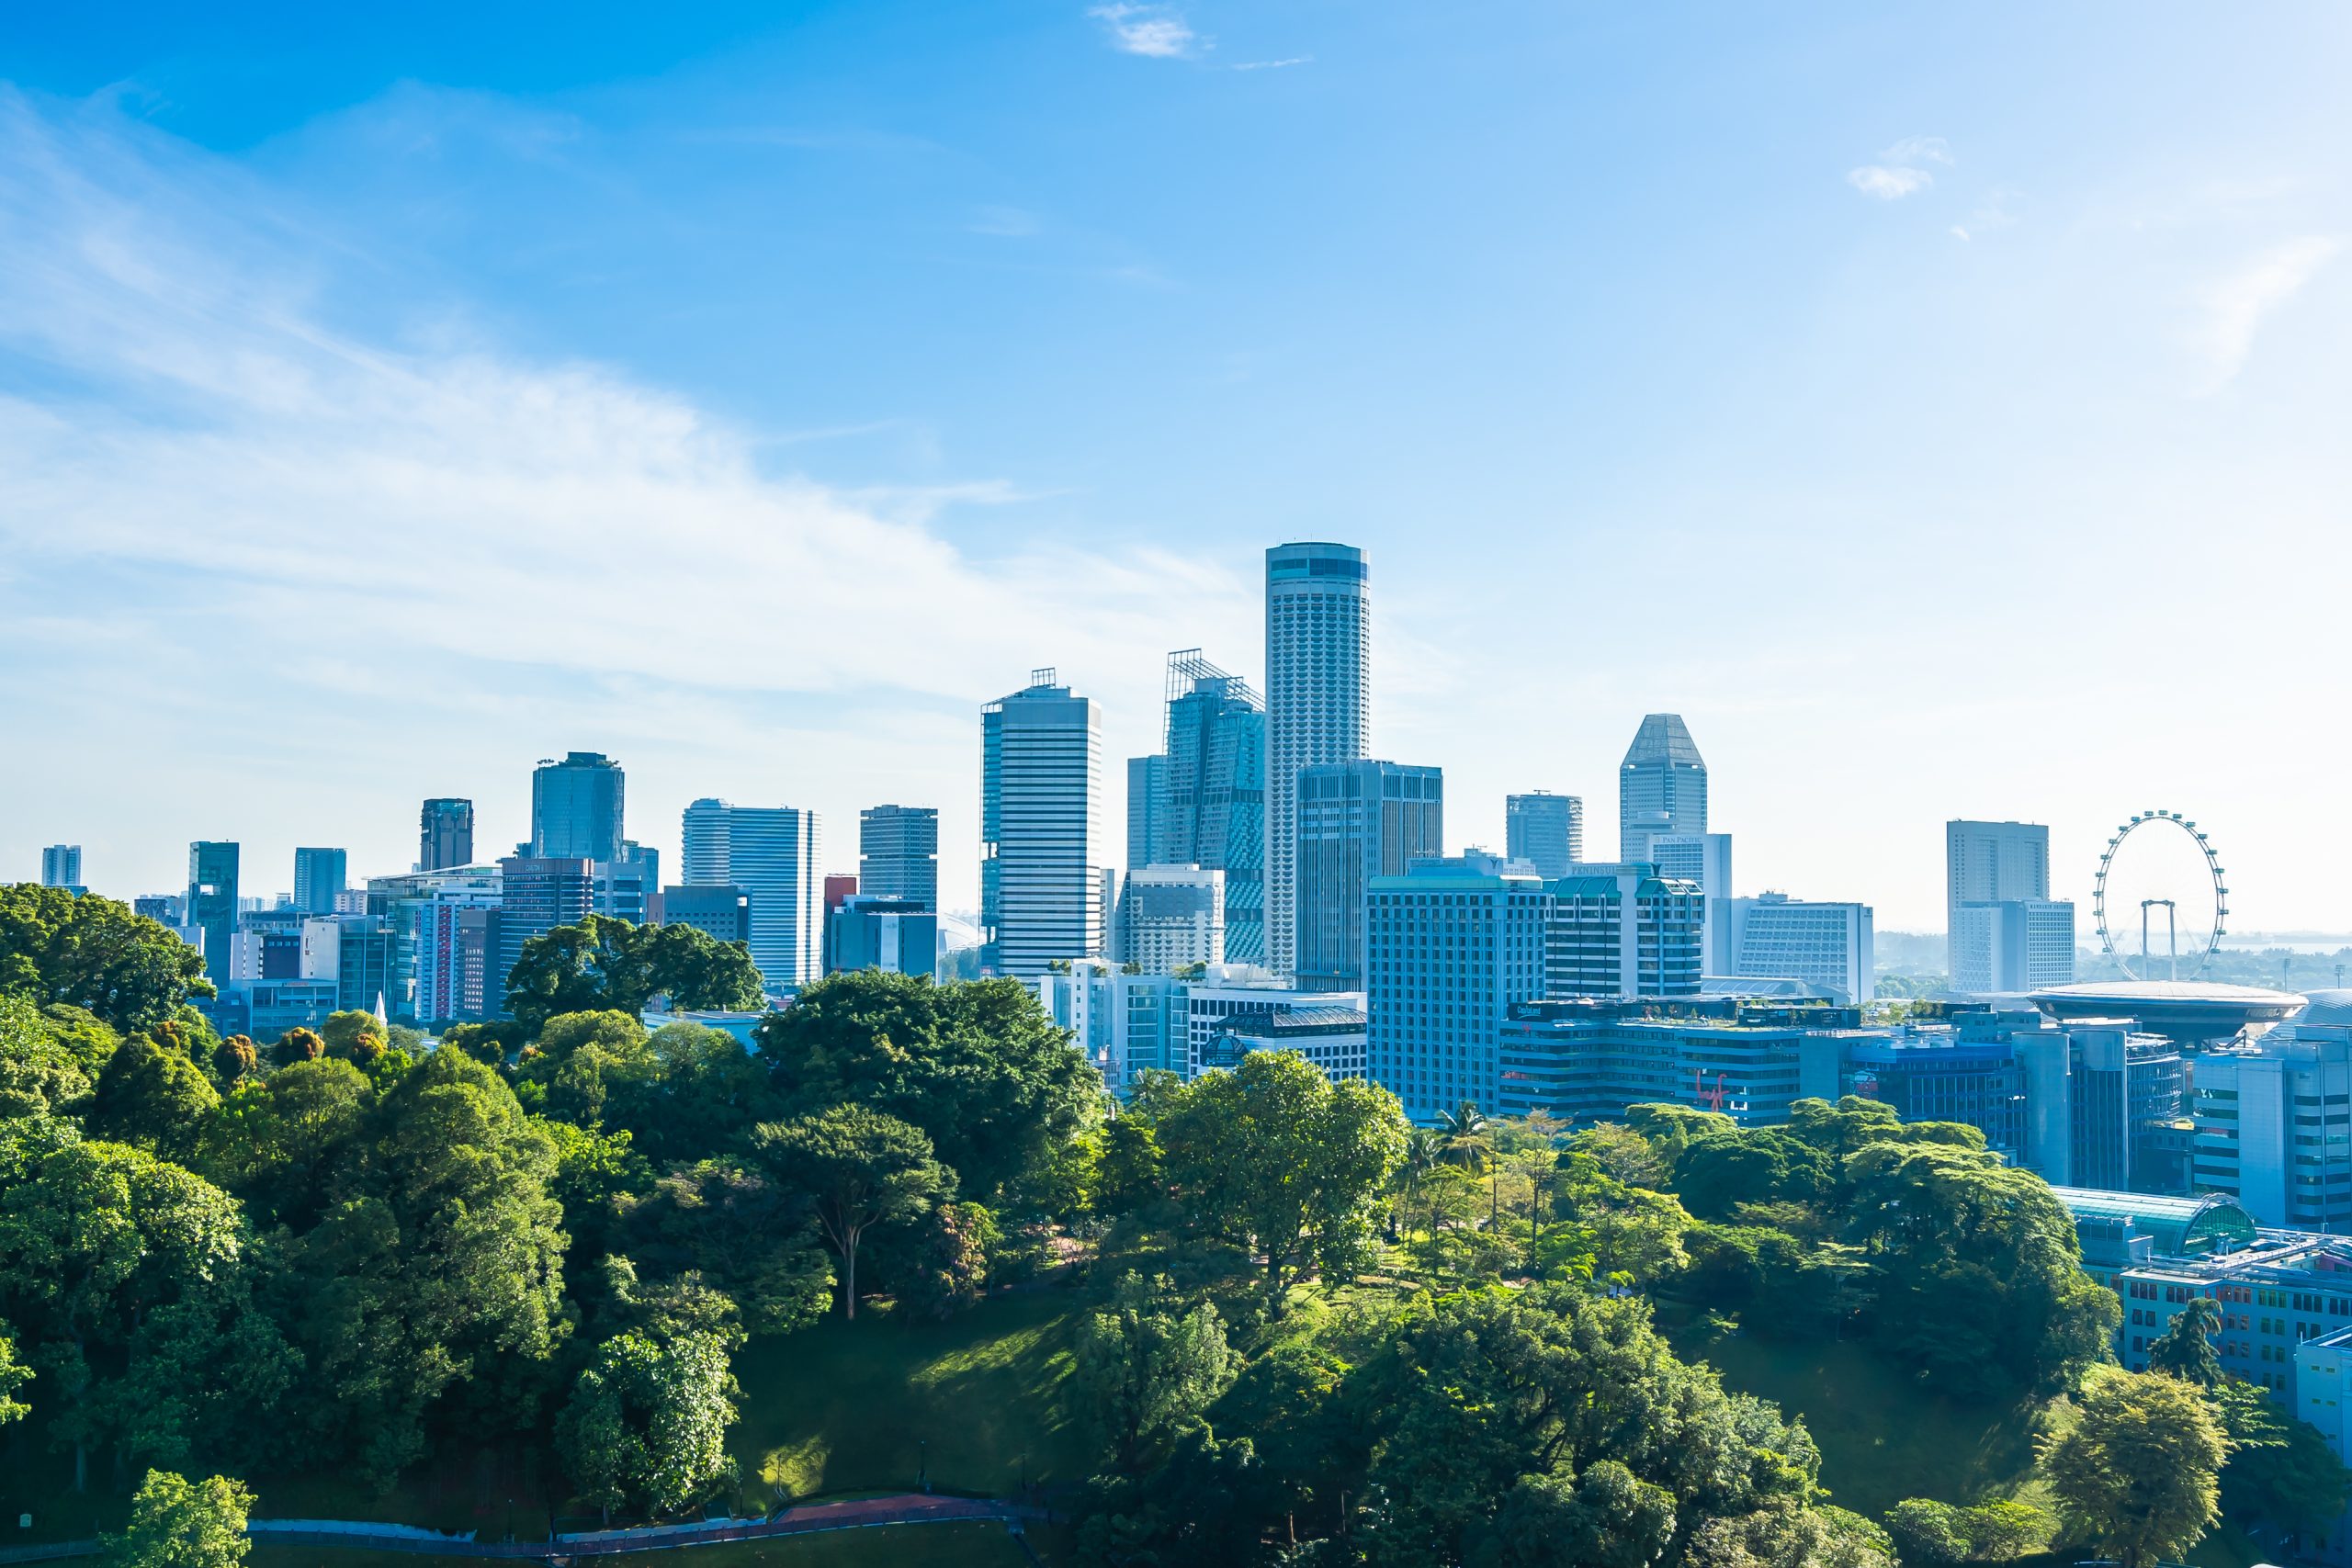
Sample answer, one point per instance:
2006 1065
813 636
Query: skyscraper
1546 830
1318 701
212 902
2003 931
1044 844
536 894
770 854
1995 862
1705 859
445 834
60 866
576 808
1357 821
1212 802
318 877
897 853
1147 792
1454 943
1661 786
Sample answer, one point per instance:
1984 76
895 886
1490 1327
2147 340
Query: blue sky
1944 411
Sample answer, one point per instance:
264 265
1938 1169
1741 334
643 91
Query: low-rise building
1589 1059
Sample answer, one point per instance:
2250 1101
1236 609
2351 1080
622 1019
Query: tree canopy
94 952
604 963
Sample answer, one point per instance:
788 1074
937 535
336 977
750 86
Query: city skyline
1818 407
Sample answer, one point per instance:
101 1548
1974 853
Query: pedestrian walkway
809 1518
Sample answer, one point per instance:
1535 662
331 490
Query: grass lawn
1881 1437
861 1406
960 1544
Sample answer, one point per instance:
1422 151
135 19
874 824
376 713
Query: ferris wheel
2148 906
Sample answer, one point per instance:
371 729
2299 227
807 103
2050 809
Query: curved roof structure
2180 1227
2182 1010
2326 1007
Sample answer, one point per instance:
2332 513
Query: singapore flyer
2160 868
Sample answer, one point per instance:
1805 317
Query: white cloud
1919 150
1888 183
2236 306
200 420
1158 31
1275 64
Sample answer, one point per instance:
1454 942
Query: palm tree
1423 1154
1462 1137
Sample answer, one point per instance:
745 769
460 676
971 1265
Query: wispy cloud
1160 31
1913 150
1275 64
1897 172
1888 183
2236 306
220 427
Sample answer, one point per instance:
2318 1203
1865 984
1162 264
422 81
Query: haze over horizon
387 404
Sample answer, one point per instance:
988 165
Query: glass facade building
1212 807
1044 843
1319 702
577 807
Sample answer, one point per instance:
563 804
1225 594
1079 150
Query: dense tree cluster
330 1252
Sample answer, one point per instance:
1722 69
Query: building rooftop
2181 1227
1663 738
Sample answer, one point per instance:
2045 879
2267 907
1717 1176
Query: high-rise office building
2274 1119
445 834
1212 810
721 911
1825 946
1318 701
536 894
1147 792
897 853
1705 859
1546 830
576 808
1624 931
867 931
60 866
1988 865
771 853
1994 862
1453 943
1356 822
318 877
1043 845
1661 786
1170 916
212 903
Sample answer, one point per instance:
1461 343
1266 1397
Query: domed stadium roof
2325 1006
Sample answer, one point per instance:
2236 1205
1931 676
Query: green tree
2281 1469
92 953
179 1523
39 1074
150 1094
2136 1472
354 1037
647 1420
297 1044
608 964
1277 1155
736 1229
13 1376
1604 1519
860 1168
1928 1534
1146 1367
978 1066
289 1142
1720 1170
1210 1504
130 1279
2183 1350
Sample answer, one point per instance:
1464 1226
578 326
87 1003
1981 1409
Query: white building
1044 846
2012 946
1824 945
1705 859
1318 701
2274 1119
1170 917
771 853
